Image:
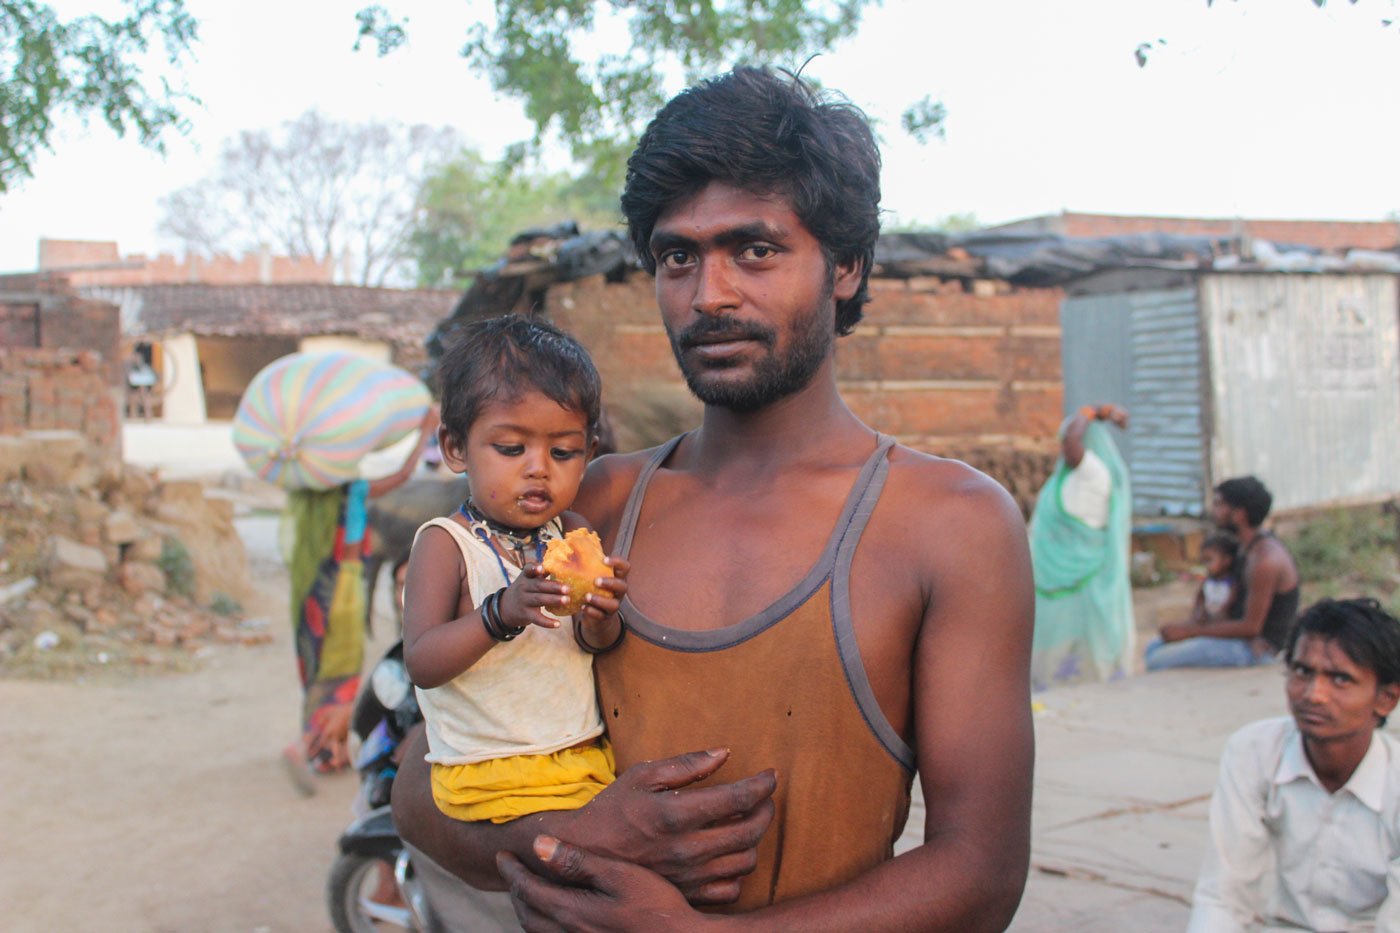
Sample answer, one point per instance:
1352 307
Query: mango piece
576 560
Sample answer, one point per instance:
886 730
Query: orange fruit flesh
576 560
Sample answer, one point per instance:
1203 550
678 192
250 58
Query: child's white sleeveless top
530 696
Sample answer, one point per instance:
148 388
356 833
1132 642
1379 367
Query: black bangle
583 642
508 632
492 621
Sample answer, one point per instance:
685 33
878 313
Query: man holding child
1269 580
814 613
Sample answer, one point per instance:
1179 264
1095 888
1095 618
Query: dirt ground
158 803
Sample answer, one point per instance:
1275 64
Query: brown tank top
785 689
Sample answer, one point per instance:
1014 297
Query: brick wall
69 372
92 263
1322 234
944 370
55 390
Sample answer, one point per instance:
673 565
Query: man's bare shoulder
928 486
606 486
1270 556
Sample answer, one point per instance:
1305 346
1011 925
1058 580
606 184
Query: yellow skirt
504 789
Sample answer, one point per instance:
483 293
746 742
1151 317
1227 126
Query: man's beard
774 377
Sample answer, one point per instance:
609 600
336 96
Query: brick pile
105 566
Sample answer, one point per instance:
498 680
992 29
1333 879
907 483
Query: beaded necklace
488 531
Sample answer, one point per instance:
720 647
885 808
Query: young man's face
746 295
1223 514
1333 698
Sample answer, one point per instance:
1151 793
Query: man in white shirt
1305 819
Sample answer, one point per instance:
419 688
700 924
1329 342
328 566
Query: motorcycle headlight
390 683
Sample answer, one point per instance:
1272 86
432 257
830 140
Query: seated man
1270 583
1312 802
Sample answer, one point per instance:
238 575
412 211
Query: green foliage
175 563
225 605
85 66
469 209
315 188
1352 544
924 120
598 105
948 223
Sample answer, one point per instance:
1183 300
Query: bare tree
339 192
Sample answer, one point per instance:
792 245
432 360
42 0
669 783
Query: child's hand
532 591
599 608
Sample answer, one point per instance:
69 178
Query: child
512 719
1220 591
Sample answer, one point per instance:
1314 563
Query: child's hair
1225 544
503 358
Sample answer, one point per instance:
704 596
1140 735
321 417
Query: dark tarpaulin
1040 261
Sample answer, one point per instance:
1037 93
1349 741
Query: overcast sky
1253 108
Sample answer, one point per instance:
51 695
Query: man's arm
703 840
1388 916
1262 578
1229 891
975 748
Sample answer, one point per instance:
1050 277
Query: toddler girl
506 689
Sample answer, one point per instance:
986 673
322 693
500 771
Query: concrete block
138 578
74 566
120 528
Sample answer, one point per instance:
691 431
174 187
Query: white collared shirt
1284 852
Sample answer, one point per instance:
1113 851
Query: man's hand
1178 631
700 839
591 893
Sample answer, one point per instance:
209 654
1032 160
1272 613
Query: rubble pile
104 565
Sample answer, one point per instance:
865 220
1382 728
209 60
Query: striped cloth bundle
307 420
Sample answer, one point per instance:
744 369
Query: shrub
175 562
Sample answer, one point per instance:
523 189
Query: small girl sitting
506 690
1219 596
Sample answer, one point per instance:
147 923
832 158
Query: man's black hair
1248 493
1368 634
1226 544
769 134
502 359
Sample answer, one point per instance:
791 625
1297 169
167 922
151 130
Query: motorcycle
372 880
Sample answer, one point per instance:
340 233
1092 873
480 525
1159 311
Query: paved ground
1123 771
1123 778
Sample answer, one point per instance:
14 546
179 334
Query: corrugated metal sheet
1142 350
1306 390
1168 459
1095 333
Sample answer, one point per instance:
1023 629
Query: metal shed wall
1168 460
1142 350
1306 384
1095 332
